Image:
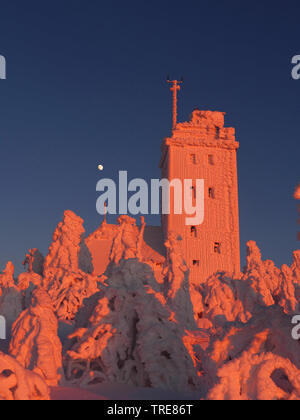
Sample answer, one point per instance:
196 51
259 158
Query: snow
141 330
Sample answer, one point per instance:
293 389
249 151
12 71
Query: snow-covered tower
204 149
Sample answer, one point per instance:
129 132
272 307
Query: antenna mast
175 87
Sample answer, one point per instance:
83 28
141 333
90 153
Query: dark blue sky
86 85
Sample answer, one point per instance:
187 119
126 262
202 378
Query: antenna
175 87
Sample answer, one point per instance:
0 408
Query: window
211 159
217 247
211 193
193 192
196 263
194 231
193 159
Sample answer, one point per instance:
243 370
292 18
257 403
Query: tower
204 149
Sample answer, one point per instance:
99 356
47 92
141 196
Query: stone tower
204 149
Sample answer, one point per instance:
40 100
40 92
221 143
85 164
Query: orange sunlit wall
204 149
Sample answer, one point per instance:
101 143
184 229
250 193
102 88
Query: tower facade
204 149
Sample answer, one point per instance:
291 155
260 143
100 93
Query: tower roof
204 128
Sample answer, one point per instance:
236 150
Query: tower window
193 192
196 263
194 231
193 159
211 159
211 193
217 247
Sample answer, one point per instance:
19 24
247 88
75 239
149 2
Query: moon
100 167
